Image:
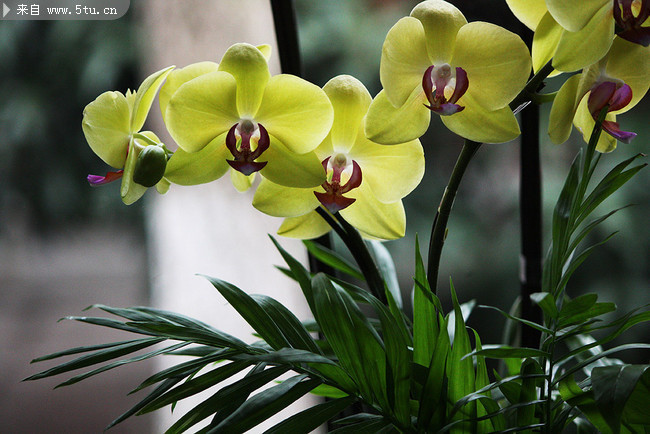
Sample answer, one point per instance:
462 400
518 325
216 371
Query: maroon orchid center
633 20
444 86
246 141
613 96
343 174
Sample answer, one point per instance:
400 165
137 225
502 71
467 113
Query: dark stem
439 229
353 241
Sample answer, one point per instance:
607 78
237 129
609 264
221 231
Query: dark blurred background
64 246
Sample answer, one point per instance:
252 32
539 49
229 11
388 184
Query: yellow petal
248 65
106 126
584 123
295 111
441 22
350 101
308 226
202 109
279 201
497 63
529 12
240 181
481 125
545 41
144 97
574 15
576 50
386 221
404 60
563 109
194 168
630 62
181 76
389 125
391 172
290 169
266 50
163 186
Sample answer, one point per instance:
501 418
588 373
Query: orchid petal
248 65
240 181
266 50
575 50
481 125
403 60
497 63
179 77
389 125
630 62
202 109
163 186
385 221
144 97
350 101
585 122
392 172
130 190
563 110
574 15
295 111
290 169
307 226
529 12
97 180
106 127
441 21
194 168
547 37
279 201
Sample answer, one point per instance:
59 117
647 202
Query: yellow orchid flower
578 33
433 60
235 115
111 125
619 80
365 181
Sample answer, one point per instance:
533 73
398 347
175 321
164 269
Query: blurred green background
50 70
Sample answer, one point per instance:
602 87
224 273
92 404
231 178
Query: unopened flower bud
150 166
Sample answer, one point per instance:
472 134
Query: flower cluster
339 151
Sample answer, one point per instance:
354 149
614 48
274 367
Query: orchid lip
333 198
630 26
440 81
241 149
97 180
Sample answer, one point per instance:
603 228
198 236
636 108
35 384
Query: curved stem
359 251
439 229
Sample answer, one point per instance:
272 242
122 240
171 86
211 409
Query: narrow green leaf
252 312
311 418
521 320
546 302
286 356
265 404
216 339
370 424
300 274
504 352
79 350
386 266
425 314
333 259
432 412
97 357
327 391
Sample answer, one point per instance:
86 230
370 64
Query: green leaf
521 320
525 415
252 312
612 387
546 302
362 423
196 385
504 352
333 259
97 357
286 356
425 314
85 349
300 274
432 412
327 391
311 418
354 341
386 266
234 392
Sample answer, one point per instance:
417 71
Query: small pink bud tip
96 180
614 97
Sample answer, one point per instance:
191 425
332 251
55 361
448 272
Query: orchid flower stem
439 229
359 251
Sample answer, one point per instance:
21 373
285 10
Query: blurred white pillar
210 229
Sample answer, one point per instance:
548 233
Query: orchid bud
150 166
